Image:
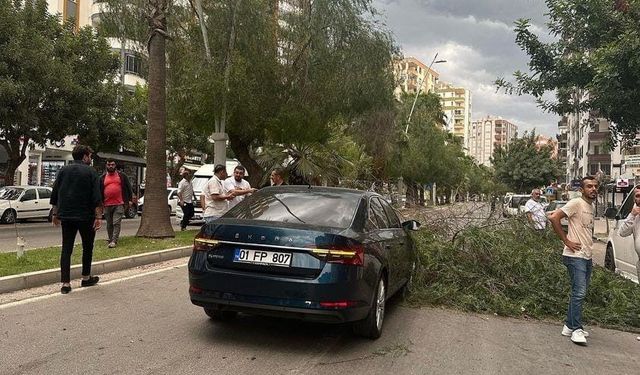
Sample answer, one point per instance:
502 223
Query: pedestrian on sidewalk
576 256
631 226
116 194
77 207
185 198
535 212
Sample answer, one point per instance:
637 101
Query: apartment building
412 75
563 147
456 104
487 134
587 148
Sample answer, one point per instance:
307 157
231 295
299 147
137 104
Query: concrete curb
39 278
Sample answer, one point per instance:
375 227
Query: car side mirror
411 225
611 213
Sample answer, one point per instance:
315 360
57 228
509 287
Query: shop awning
126 158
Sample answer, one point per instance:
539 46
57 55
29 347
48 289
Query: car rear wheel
131 211
371 327
217 314
8 217
609 262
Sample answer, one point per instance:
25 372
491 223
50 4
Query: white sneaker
578 336
566 331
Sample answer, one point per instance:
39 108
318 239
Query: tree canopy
523 166
593 63
54 80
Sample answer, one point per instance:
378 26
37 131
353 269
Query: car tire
609 261
220 315
8 217
131 212
371 326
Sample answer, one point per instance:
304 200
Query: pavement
39 278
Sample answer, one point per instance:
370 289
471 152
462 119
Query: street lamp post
415 98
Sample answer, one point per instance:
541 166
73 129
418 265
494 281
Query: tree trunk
241 150
16 154
412 194
156 221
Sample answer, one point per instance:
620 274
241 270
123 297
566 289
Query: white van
621 256
199 181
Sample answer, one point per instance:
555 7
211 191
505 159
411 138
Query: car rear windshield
329 209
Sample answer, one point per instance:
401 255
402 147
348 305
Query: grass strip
512 270
49 257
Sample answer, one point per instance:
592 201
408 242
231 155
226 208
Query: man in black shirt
77 205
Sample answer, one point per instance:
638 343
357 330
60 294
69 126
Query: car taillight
337 304
353 255
204 244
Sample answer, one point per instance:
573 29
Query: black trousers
87 234
187 214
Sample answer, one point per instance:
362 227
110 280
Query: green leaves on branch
593 63
523 166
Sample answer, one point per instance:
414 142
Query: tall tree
155 222
523 166
593 64
54 80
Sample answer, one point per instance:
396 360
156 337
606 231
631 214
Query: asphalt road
145 324
38 234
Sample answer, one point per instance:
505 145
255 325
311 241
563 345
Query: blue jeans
579 275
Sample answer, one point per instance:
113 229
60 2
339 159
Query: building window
70 11
133 64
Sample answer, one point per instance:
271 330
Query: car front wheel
609 262
8 217
371 326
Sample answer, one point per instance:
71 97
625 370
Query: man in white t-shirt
238 185
534 211
576 256
214 198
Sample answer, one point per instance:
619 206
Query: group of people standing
81 198
221 193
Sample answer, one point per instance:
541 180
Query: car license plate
269 258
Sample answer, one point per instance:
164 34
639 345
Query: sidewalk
39 278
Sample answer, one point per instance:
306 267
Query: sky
477 40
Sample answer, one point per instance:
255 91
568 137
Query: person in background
185 198
535 212
77 207
116 195
238 185
277 177
631 226
577 253
213 197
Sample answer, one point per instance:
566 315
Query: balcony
598 136
599 158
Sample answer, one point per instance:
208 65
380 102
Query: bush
511 270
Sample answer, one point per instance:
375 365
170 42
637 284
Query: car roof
308 188
26 186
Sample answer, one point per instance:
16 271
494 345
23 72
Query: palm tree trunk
156 221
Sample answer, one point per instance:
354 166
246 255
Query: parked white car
24 202
172 201
621 256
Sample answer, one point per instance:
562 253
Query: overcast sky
476 38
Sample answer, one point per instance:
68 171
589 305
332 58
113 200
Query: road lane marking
80 289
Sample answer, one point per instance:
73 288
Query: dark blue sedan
322 254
